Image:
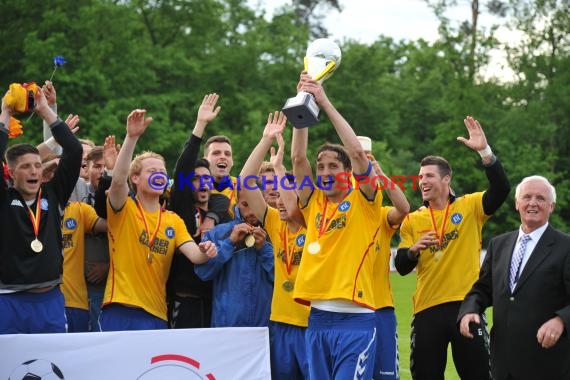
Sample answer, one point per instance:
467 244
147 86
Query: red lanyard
35 218
289 254
325 226
440 237
150 238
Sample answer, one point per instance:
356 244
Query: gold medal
249 240
149 257
314 248
36 246
438 254
288 285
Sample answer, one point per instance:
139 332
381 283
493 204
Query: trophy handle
328 68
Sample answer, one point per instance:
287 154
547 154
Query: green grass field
403 288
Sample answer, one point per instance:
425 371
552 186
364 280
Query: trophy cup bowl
321 60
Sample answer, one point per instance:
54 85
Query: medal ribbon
440 237
289 256
36 218
151 238
325 226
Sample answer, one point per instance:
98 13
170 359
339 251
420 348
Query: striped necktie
517 261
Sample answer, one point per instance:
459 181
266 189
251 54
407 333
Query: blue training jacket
242 277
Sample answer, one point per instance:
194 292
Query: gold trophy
322 59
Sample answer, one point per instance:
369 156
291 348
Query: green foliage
410 97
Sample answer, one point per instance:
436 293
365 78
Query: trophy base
302 110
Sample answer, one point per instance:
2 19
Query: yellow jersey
383 290
446 274
338 257
137 273
287 251
79 218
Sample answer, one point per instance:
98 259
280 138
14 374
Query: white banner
184 354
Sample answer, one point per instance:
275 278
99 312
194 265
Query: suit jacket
542 292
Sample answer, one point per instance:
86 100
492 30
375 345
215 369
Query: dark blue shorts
33 313
77 319
117 317
288 352
386 365
340 345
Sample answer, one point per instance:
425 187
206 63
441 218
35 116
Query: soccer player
443 240
79 219
288 319
218 152
31 261
336 272
96 245
386 364
190 298
142 238
242 272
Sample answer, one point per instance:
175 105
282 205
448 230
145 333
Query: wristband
51 144
109 172
56 122
487 152
367 173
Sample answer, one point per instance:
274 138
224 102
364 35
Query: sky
365 20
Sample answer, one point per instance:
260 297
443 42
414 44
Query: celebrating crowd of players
312 263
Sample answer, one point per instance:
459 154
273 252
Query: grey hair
540 179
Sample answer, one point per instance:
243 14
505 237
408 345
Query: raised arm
67 171
361 166
499 186
401 205
119 190
286 189
181 201
50 146
110 153
51 97
207 112
301 165
250 192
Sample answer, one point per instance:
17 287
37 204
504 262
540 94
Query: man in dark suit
526 278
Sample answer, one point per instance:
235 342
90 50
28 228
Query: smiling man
31 261
526 278
142 238
336 274
190 298
443 239
218 152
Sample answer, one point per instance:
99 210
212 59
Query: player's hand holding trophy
322 59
